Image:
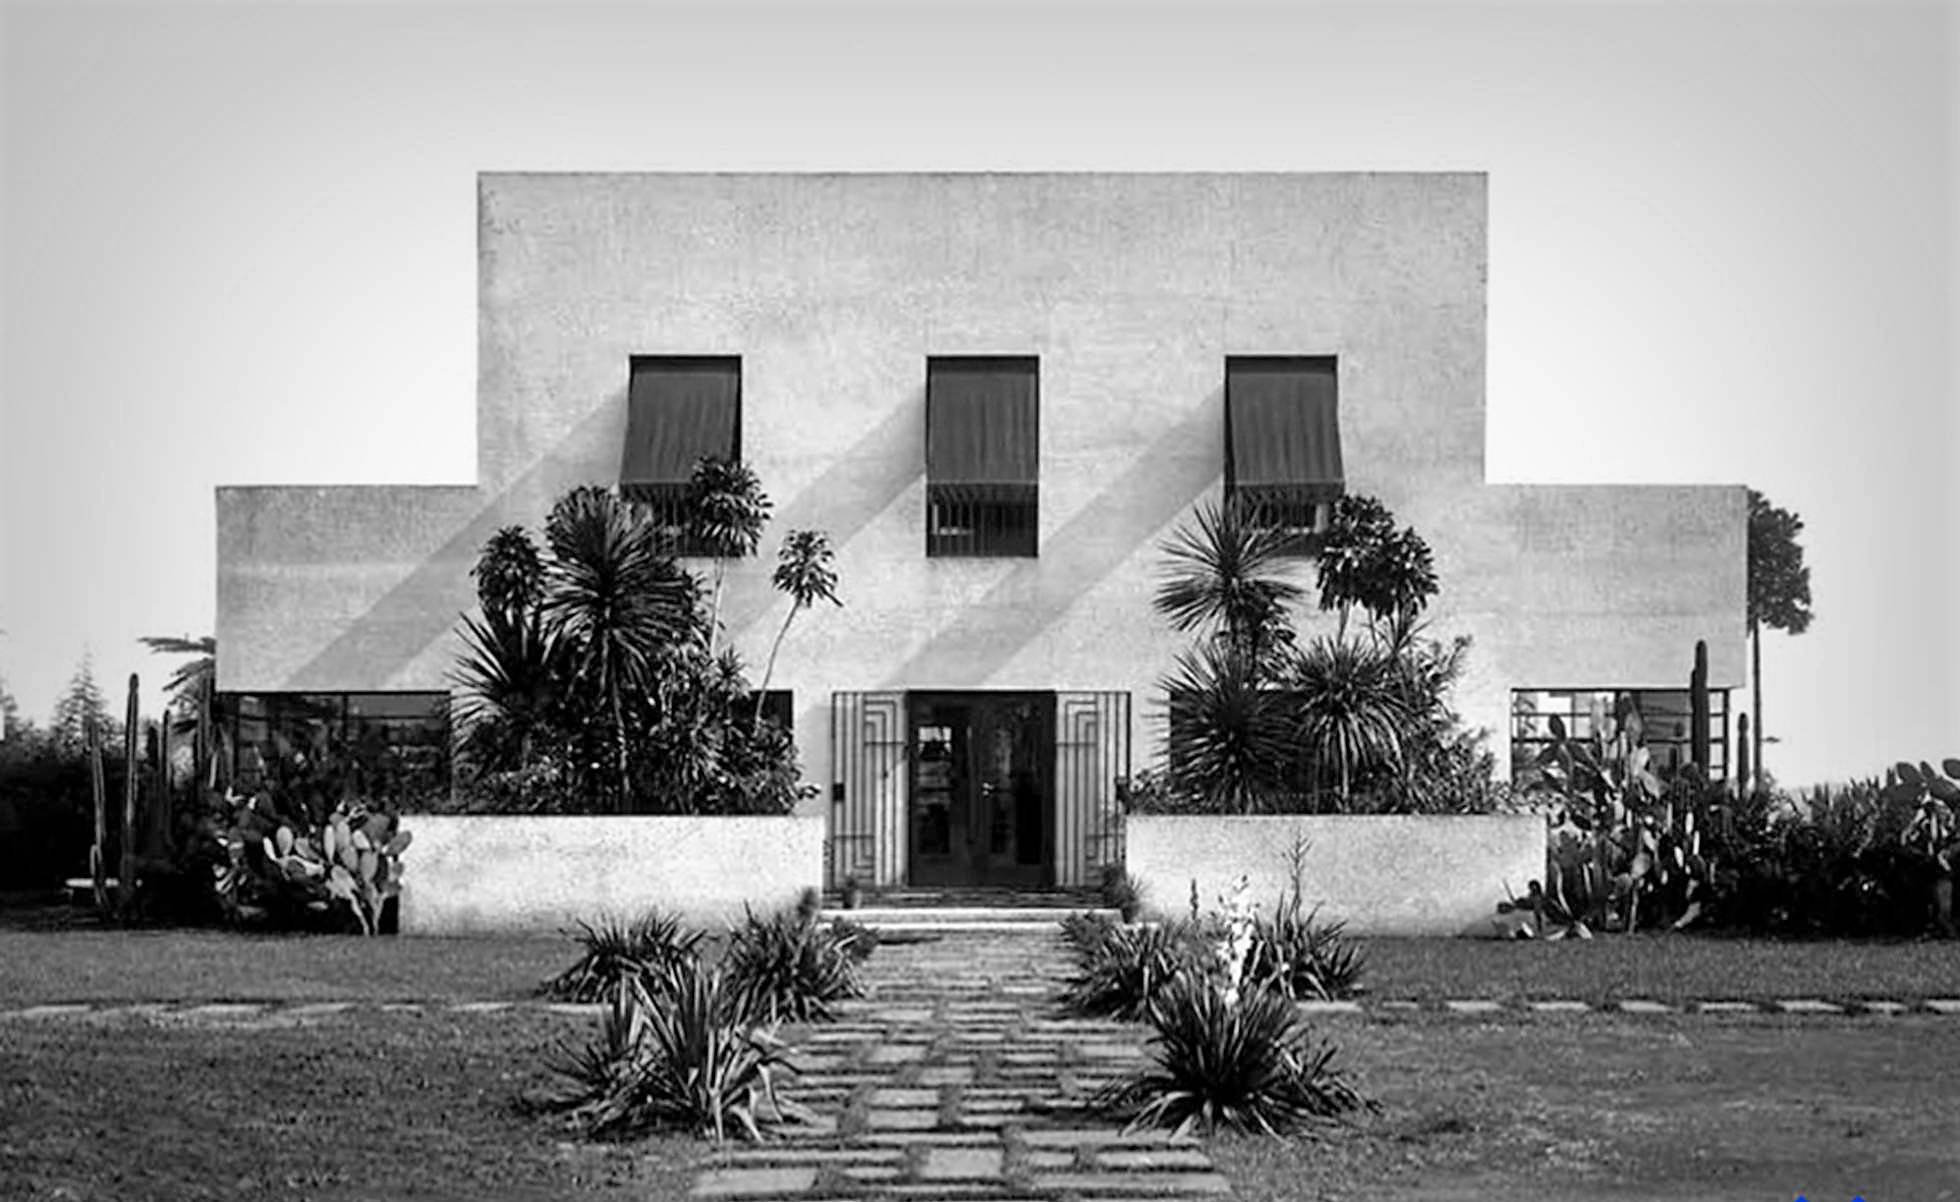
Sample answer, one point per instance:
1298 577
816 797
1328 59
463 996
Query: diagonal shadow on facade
1024 607
423 607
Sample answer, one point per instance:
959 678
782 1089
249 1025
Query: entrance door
982 810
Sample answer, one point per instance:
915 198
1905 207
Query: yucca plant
1120 969
1302 958
617 951
786 967
676 1050
1252 1064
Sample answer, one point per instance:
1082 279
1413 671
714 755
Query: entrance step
971 897
1033 920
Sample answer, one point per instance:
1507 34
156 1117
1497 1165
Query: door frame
1045 703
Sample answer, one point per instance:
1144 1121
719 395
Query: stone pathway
958 1078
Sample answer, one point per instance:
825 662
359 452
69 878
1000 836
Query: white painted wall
483 874
1382 875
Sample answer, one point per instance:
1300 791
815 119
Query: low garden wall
477 874
1381 874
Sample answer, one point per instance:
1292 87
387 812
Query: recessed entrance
981 808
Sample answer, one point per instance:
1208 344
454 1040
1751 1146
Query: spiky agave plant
1253 1065
675 1050
1119 969
1304 958
617 951
787 968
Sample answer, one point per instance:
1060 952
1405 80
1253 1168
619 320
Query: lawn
379 1106
374 1103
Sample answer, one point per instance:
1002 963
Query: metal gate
1092 751
867 792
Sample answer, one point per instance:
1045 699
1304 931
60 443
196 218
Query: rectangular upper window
1283 443
982 456
680 409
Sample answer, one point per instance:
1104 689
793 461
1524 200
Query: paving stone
1398 1004
1136 1184
754 1183
1153 1158
946 1074
902 1015
580 1009
961 1164
870 1172
897 1053
54 1010
790 1154
222 1010
1560 1006
1109 1051
901 1120
948 1139
905 1097
1472 1006
479 1007
1048 1158
1330 1006
994 1105
1641 1005
1943 1005
1726 1007
1883 1006
1805 1005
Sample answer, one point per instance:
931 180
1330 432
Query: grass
1610 1108
1669 968
380 1107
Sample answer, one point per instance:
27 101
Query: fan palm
1229 742
727 510
615 602
1227 574
1348 703
511 674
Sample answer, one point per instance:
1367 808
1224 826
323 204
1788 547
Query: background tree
9 712
1779 596
80 703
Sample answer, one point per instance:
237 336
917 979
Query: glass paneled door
982 800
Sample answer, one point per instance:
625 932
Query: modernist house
998 394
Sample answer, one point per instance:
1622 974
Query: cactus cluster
351 859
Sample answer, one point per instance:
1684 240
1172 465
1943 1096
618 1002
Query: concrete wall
1132 290
1416 875
483 874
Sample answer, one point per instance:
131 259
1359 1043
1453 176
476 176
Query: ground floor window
1666 717
390 747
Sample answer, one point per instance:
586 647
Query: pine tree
80 703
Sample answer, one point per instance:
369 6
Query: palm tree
512 675
1349 705
615 602
1229 740
189 682
803 572
1227 574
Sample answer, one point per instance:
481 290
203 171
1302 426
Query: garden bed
1380 874
483 874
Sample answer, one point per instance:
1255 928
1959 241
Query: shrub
617 952
1252 1064
787 967
676 1050
1119 891
1302 958
1119 969
289 869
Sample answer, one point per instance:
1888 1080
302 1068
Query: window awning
677 411
1283 423
982 421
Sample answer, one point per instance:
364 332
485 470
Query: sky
237 246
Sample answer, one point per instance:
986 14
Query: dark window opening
681 409
778 706
982 457
1666 720
1283 444
389 748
